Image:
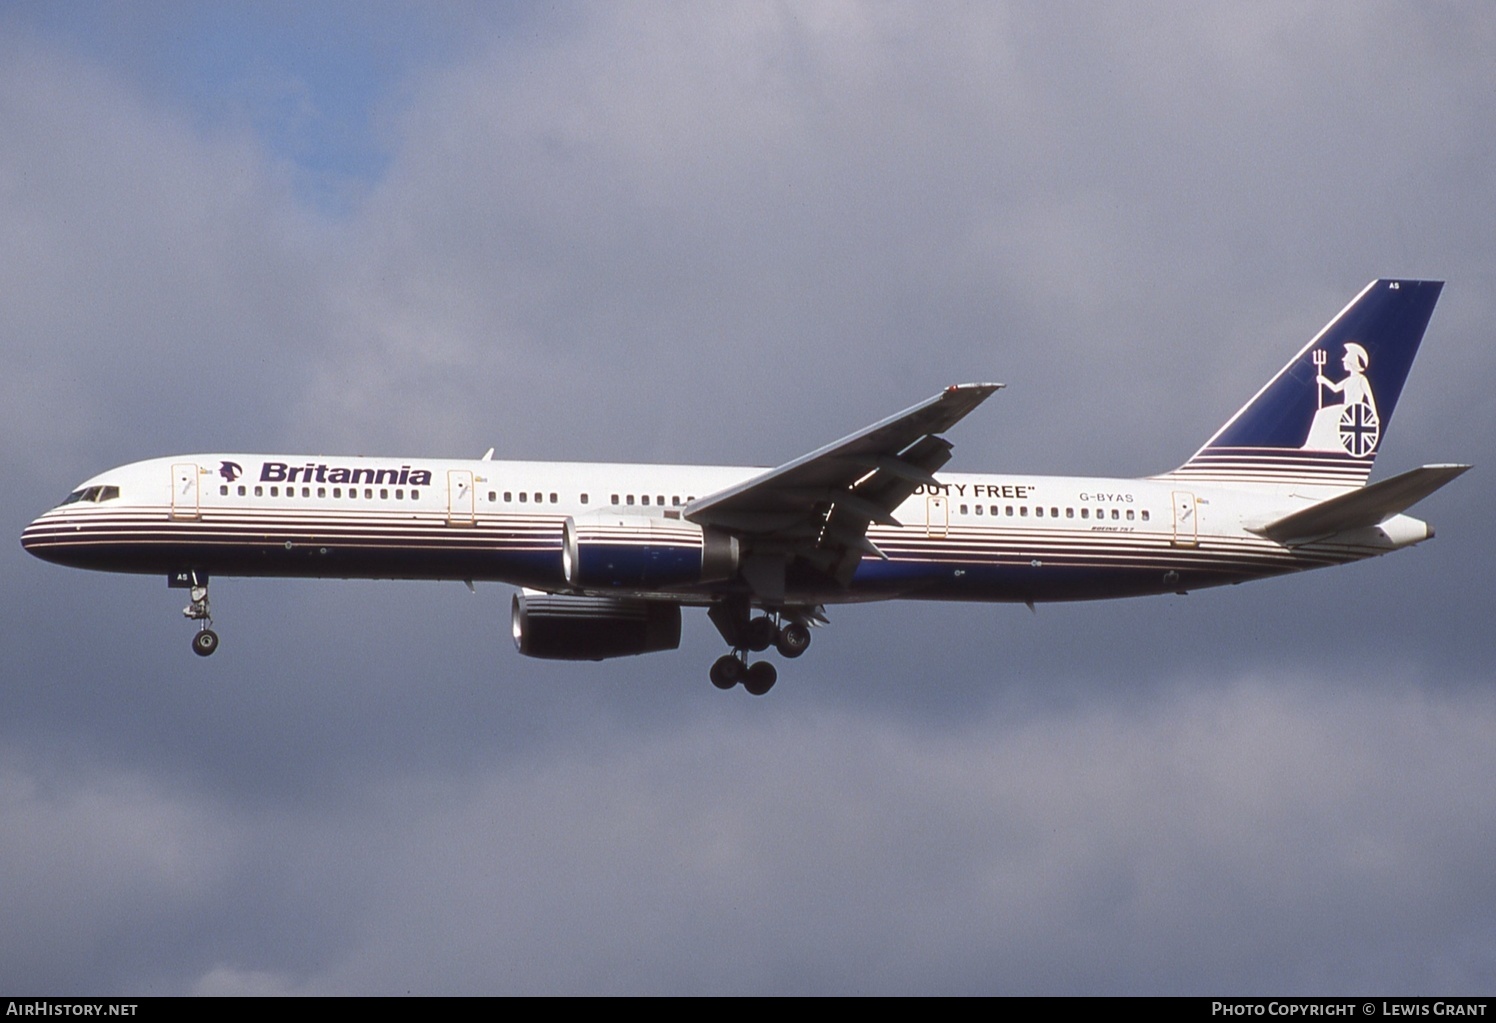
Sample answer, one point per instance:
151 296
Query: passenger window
963 509
1039 512
539 498
614 499
259 491
337 491
644 499
492 497
629 500
554 499
1116 514
384 495
1010 511
584 498
275 492
1054 513
1069 513
523 497
399 493
1085 513
321 491
979 509
1129 515
415 495
1145 514
675 500
241 490
223 491
1023 511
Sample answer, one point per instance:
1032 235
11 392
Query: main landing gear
206 640
791 637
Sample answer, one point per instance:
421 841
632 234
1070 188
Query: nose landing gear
206 640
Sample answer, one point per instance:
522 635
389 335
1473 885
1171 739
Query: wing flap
1368 506
819 506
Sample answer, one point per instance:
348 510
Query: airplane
606 555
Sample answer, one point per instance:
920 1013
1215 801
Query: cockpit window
93 495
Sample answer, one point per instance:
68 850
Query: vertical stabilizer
1321 419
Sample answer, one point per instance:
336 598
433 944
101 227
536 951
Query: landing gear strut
206 640
747 634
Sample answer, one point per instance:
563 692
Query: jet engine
641 553
592 628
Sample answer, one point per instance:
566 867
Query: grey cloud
1266 836
731 234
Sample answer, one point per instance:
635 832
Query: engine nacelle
635 552
592 628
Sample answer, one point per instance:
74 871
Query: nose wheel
206 640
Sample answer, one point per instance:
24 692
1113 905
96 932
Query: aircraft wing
819 506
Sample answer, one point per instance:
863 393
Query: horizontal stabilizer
1368 506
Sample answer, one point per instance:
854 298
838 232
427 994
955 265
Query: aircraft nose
43 538
31 536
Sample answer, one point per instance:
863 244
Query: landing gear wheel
760 678
727 671
205 642
793 640
759 635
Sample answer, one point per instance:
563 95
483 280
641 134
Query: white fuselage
997 537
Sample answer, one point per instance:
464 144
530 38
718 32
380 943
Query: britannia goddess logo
1351 424
230 470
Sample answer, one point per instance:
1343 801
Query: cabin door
460 498
184 491
937 515
1186 519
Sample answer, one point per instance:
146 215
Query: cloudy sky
730 233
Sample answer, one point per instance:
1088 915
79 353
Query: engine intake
640 553
592 628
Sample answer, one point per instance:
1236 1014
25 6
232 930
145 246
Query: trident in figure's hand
1320 357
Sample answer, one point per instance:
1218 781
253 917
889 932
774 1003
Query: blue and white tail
1320 421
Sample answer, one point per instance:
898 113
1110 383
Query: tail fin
1320 421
